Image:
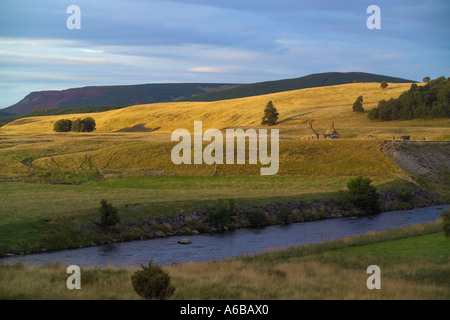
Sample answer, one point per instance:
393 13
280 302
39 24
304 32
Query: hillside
321 105
309 81
110 96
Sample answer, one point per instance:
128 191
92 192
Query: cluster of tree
357 106
7 118
431 100
78 125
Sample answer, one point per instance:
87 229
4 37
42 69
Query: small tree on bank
270 115
426 79
357 106
363 195
222 214
108 214
383 84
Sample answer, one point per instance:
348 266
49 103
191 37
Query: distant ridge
111 96
127 95
309 81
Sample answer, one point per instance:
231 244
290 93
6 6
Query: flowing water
218 246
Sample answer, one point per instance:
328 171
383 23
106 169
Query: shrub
405 195
446 222
257 218
363 195
222 214
63 125
152 282
285 215
108 214
383 84
357 106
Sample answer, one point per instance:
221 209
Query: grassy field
115 154
52 184
414 264
38 215
321 105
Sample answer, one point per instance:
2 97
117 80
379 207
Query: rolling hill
127 95
321 105
309 81
110 96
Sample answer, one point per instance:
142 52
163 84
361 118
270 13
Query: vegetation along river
218 246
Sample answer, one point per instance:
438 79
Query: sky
227 41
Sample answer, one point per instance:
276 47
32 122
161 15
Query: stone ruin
311 134
331 133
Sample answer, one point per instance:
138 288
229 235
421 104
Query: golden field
321 105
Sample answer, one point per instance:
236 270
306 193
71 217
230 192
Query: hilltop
309 81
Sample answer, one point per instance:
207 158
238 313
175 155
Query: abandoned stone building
311 134
331 133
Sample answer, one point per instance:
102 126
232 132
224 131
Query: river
218 246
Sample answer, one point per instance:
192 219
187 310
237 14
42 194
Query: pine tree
270 115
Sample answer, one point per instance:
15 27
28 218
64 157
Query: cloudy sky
227 41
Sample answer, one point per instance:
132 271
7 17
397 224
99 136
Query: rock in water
184 241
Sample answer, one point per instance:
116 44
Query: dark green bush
108 214
223 213
85 125
363 195
152 282
257 218
405 195
446 222
63 125
357 105
285 215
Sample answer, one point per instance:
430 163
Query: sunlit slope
321 105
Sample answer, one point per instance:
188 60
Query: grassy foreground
414 262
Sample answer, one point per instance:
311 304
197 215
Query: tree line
431 100
78 125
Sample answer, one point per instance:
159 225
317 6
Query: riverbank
414 264
181 223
